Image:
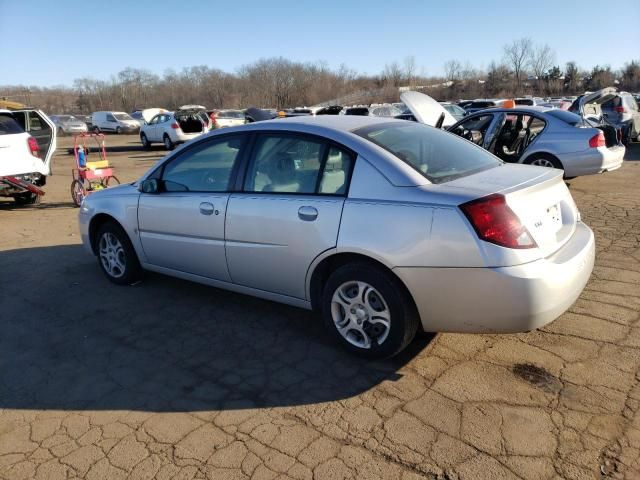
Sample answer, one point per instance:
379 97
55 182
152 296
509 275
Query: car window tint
204 168
110 118
436 154
8 125
336 172
284 164
21 119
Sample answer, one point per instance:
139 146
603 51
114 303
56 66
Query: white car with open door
172 128
531 135
27 143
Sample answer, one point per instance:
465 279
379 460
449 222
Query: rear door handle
206 208
308 214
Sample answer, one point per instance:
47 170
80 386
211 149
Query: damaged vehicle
610 107
386 227
173 128
531 135
27 144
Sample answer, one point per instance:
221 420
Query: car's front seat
333 180
282 173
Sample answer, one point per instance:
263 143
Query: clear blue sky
45 42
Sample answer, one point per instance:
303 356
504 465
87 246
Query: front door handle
308 214
206 208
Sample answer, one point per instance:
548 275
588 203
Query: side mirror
150 185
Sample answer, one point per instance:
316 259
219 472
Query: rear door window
8 125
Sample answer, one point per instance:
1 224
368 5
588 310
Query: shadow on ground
70 339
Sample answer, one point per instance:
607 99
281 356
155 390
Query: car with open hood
610 107
27 144
385 226
531 135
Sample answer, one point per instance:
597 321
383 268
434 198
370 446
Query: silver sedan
385 226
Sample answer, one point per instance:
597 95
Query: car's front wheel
118 130
368 311
145 141
116 255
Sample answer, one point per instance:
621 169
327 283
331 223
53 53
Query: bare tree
453 70
392 74
410 69
542 59
517 55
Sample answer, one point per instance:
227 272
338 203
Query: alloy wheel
360 314
543 162
112 255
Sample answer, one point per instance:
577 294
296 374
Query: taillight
33 146
175 125
619 109
495 222
597 140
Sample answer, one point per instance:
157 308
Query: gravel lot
169 379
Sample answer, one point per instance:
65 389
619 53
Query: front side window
285 164
437 155
110 118
206 167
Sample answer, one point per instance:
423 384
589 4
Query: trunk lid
539 198
590 104
426 109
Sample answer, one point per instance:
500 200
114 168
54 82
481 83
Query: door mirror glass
150 185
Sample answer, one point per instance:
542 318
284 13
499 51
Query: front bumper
84 218
503 299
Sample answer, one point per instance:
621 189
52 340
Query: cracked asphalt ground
169 379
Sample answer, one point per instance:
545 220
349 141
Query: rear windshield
567 117
230 114
436 154
524 101
8 125
357 111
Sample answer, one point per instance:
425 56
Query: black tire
78 192
96 129
132 270
27 198
168 143
145 141
404 319
118 130
544 158
111 181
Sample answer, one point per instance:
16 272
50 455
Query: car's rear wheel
368 311
116 256
145 141
544 161
168 143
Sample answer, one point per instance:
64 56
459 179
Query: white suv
171 128
27 143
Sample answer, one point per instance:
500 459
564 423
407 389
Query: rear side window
436 154
285 164
567 117
8 125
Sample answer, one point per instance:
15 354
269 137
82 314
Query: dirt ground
170 379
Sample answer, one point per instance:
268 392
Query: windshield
66 118
567 117
438 155
122 116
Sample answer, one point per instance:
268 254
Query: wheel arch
540 154
94 225
331 260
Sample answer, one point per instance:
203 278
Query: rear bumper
505 299
593 160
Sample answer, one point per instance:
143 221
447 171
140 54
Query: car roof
344 123
519 108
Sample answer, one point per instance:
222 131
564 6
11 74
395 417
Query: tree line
524 69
